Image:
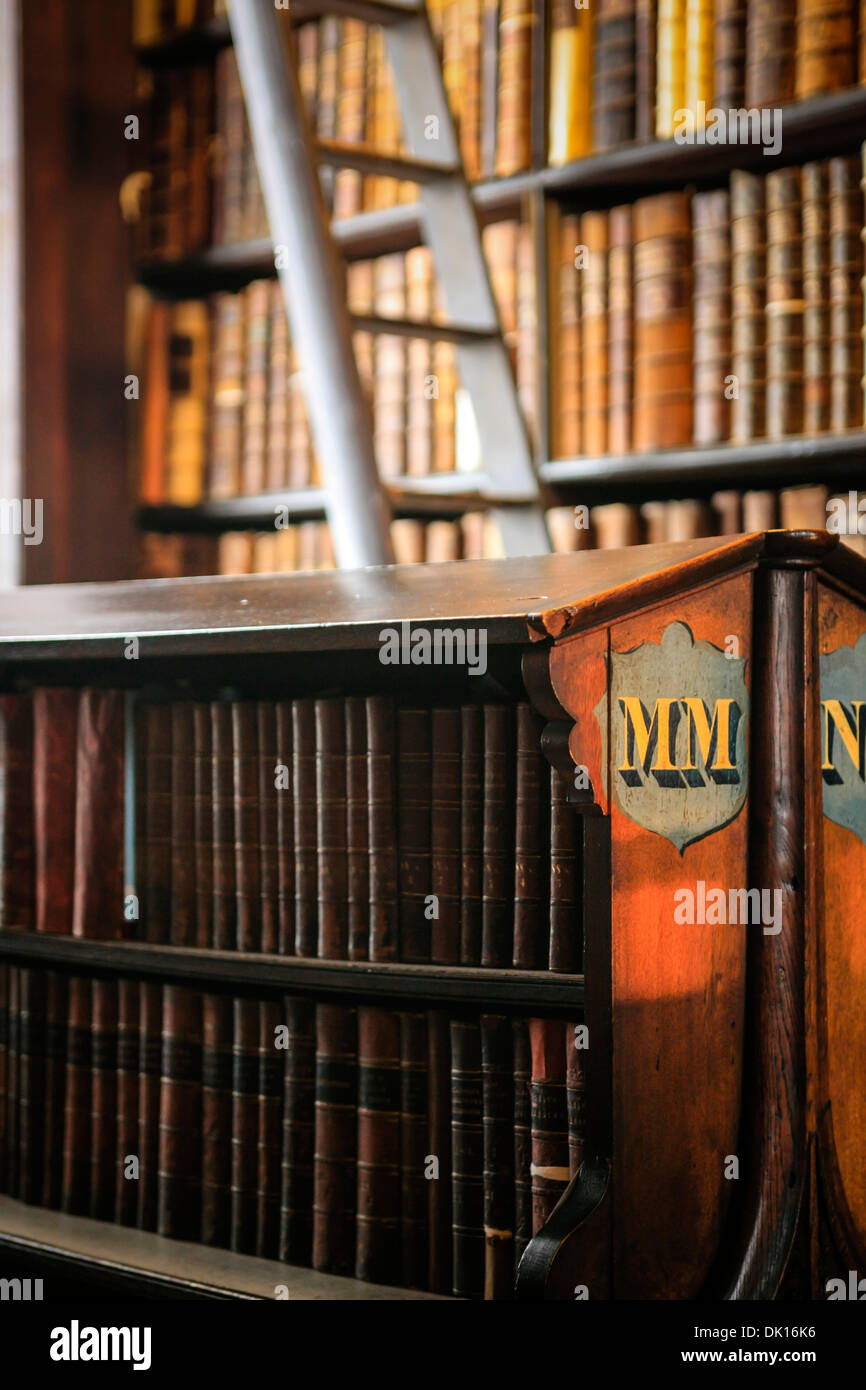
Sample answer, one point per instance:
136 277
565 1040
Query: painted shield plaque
843 734
678 721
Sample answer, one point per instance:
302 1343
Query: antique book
149 1071
771 41
594 244
467 1158
414 773
497 867
415 1086
216 1119
613 73
296 1165
531 832
729 54
43 812
549 1126
335 1158
516 23
18 864
439 1147
825 45
304 808
378 1236
267 802
381 823
180 1101
445 739
711 316
662 323
570 115
565 944
620 331
224 897
497 1090
784 304
816 297
202 792
103 1098
244 1127
184 886
846 294
748 298
521 1070
269 1137
471 831
566 340
333 940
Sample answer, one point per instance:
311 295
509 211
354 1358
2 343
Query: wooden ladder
288 157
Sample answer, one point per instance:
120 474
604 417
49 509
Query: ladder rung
367 160
370 11
418 328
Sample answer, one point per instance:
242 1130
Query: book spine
103 1099
445 835
271 1062
594 244
846 296
419 363
216 1115
203 890
663 326
98 894
357 848
255 408
497 1089
439 1187
699 55
711 315
183 882
816 298
471 832
125 1186
670 64
378 1252
548 1117
245 1126
6 1064
467 1147
414 787
56 1008
489 85
331 829
246 825
825 47
268 828
567 358
157 831
188 365
522 1138
17 849
414 1235
515 81
497 904
531 837
222 767
771 42
76 1119
334 1162
390 373
285 831
179 1177
351 112
748 297
296 1191
645 69
279 366
31 1083
149 1069
784 304
304 787
614 75
227 395
620 331
569 133
381 828
729 55
575 1099
54 744
10 1107
565 937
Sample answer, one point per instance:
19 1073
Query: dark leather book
467 1161
183 881
17 852
531 838
10 1107
55 735
331 832
5 1068
711 314
548 1117
126 1187
413 1150
76 1116
140 812
149 1076
497 906
304 790
334 1162
382 827
826 47
645 69
56 1006
729 54
414 775
497 1091
771 42
179 1176
357 830
103 1099
157 834
471 831
784 304
846 327
203 824
225 912
268 799
296 1189
522 1138
245 1126
97 908
446 737
285 832
565 926
439 1147
575 1088
378 1242
271 1061
31 1083
216 1119
614 77
246 784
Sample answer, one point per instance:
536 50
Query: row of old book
409 1148
734 314
348 828
224 411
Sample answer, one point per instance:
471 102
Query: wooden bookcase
707 1042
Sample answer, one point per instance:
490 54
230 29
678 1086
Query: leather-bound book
103 1100
846 295
522 1137
645 69
419 364
467 1148
497 873
357 830
334 1162
445 835
296 1167
246 825
257 315
308 37
327 87
441 542
155 875
613 73
125 1188
445 409
594 233
663 322
771 41
230 121
224 898
414 1087
816 297
360 293
180 1115
748 297
565 950
615 524
700 15
760 511
497 1089
575 1089
301 463
670 64
269 1148
17 849
331 829
711 315
149 1071
304 811
227 394
245 1126
548 1117
414 772
489 85
31 1083
56 1007
729 54
728 511
784 305
566 338
686 520
202 791
381 827
54 743
516 23
184 887
531 838
268 803
378 1254
803 508
826 46
351 111
620 327
76 1116
569 133
9 1148
471 831
279 367
154 428
390 380
6 1065
187 407
527 334
439 1146
470 109
216 1119
97 906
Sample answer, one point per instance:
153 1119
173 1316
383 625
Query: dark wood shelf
514 990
